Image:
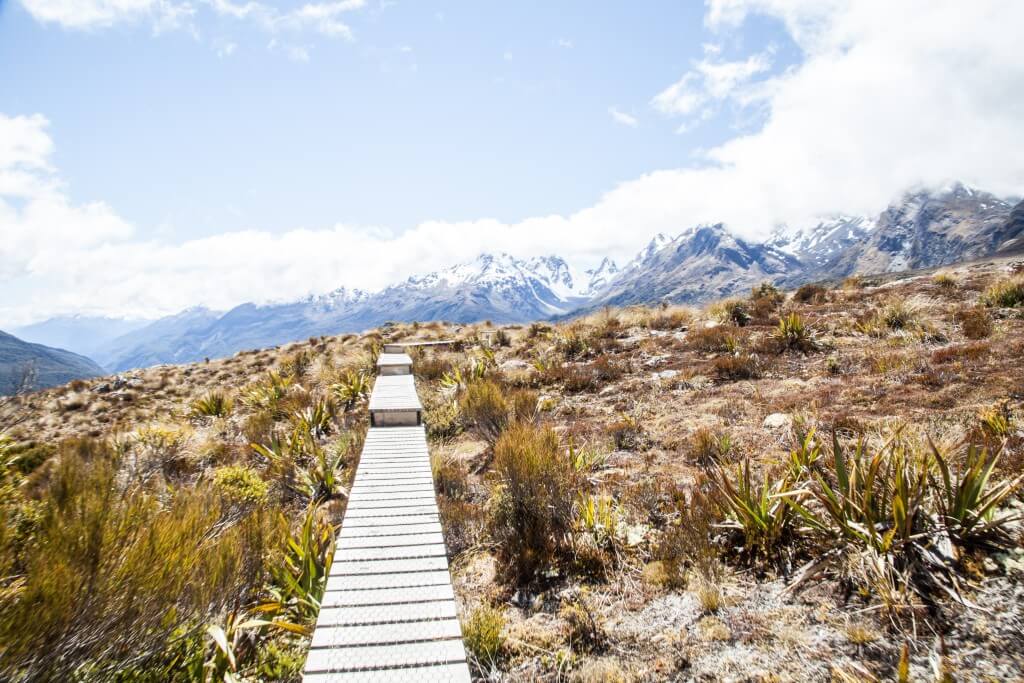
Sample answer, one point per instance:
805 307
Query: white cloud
711 80
888 96
622 117
225 48
322 17
564 43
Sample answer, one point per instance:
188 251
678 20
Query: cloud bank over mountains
888 96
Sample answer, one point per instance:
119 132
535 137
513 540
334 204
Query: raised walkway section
388 613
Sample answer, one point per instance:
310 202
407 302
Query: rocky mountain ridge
702 263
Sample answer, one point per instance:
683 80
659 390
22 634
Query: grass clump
712 339
485 410
532 501
213 404
810 294
483 635
1006 293
739 365
708 446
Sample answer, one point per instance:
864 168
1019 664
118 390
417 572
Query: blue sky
156 154
434 110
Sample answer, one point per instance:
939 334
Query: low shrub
669 318
240 484
531 508
606 369
713 339
944 281
732 311
443 419
432 367
627 433
708 446
573 343
577 378
1006 293
115 574
524 405
811 294
485 410
961 352
739 365
976 323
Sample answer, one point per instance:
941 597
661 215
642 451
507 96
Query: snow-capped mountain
817 245
704 262
495 287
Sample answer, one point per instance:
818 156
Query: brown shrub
960 352
524 405
975 322
532 501
811 294
432 367
577 378
607 370
717 338
739 365
627 434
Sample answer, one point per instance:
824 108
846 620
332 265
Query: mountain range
921 229
49 366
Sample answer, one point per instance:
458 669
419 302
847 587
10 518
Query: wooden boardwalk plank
389 612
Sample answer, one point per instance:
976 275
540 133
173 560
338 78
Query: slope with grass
820 484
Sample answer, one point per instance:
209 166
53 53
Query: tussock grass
1006 293
531 509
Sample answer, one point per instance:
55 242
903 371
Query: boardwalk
388 613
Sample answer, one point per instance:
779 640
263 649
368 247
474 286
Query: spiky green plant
968 504
212 404
353 387
793 334
298 581
317 419
586 459
876 499
268 393
760 512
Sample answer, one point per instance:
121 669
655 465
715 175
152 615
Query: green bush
114 572
532 501
240 484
